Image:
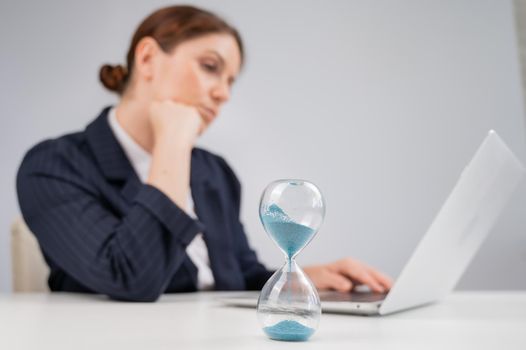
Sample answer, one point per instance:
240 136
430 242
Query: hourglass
291 211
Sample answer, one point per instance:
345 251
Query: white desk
475 320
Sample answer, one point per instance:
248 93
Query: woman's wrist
167 141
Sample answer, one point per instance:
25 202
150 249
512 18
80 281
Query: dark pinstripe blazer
101 230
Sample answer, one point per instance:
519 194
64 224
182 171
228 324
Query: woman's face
198 72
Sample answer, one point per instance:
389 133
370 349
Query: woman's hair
169 26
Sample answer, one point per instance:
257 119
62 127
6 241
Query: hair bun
113 77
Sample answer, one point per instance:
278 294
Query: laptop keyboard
356 297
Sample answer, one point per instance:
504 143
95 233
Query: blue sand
289 331
289 235
276 212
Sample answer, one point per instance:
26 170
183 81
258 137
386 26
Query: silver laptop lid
460 227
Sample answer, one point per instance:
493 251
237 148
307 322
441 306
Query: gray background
380 103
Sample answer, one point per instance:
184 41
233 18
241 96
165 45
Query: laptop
481 193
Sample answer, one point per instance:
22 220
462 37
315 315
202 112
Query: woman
129 207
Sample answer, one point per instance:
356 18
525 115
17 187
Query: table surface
464 320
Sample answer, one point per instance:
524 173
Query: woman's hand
347 273
176 121
175 127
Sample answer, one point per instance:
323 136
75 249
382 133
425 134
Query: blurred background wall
380 103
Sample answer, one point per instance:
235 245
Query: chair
29 268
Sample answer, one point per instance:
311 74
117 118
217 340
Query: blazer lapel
107 151
111 158
211 212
